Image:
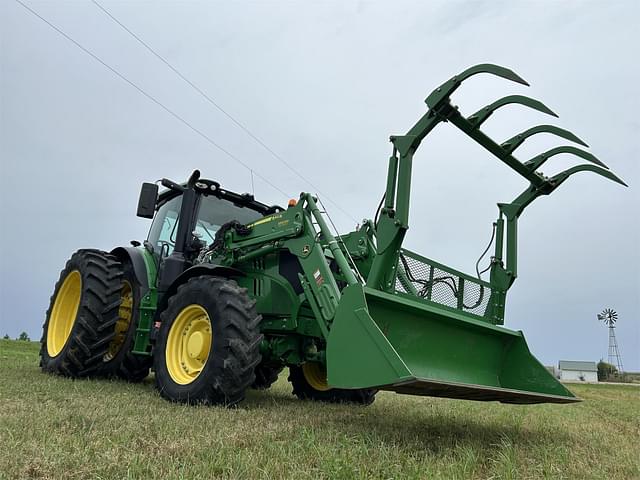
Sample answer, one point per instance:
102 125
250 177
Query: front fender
196 271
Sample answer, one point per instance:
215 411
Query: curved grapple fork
484 113
514 142
558 179
536 162
447 88
442 110
550 184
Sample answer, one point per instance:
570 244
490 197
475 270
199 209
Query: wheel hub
188 344
195 344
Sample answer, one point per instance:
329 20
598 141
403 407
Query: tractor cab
186 218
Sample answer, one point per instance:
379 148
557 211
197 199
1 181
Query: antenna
609 317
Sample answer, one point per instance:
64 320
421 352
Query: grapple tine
517 140
450 86
558 179
536 162
493 69
484 113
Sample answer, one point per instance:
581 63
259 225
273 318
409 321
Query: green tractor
227 291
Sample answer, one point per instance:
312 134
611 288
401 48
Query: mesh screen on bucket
446 287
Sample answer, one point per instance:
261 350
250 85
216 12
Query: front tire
309 382
266 375
208 343
80 322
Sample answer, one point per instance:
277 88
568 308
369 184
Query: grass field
56 428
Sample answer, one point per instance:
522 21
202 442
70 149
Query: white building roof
578 366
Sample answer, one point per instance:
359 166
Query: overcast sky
324 84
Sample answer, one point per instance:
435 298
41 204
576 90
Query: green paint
148 306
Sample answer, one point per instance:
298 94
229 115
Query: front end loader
226 291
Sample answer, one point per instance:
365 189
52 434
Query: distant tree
605 370
6 336
24 336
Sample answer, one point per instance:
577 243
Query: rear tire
120 361
208 343
80 322
310 383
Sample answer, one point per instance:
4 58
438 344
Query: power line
154 100
219 108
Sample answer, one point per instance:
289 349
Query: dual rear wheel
91 320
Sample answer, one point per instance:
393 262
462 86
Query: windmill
610 317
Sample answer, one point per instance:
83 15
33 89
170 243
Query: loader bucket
391 342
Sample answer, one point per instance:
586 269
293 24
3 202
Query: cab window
213 212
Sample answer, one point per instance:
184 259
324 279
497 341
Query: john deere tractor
227 291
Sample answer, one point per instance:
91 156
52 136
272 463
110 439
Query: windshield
213 212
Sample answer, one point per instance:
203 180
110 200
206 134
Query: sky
323 85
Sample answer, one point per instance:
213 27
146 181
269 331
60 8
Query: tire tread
92 330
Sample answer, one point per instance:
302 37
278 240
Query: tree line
24 336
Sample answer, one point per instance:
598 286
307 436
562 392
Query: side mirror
147 200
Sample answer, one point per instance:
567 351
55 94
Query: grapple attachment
441 109
395 334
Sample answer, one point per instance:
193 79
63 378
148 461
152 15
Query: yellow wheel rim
188 344
316 375
125 314
64 312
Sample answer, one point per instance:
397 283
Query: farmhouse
578 371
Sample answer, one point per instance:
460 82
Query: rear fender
135 257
